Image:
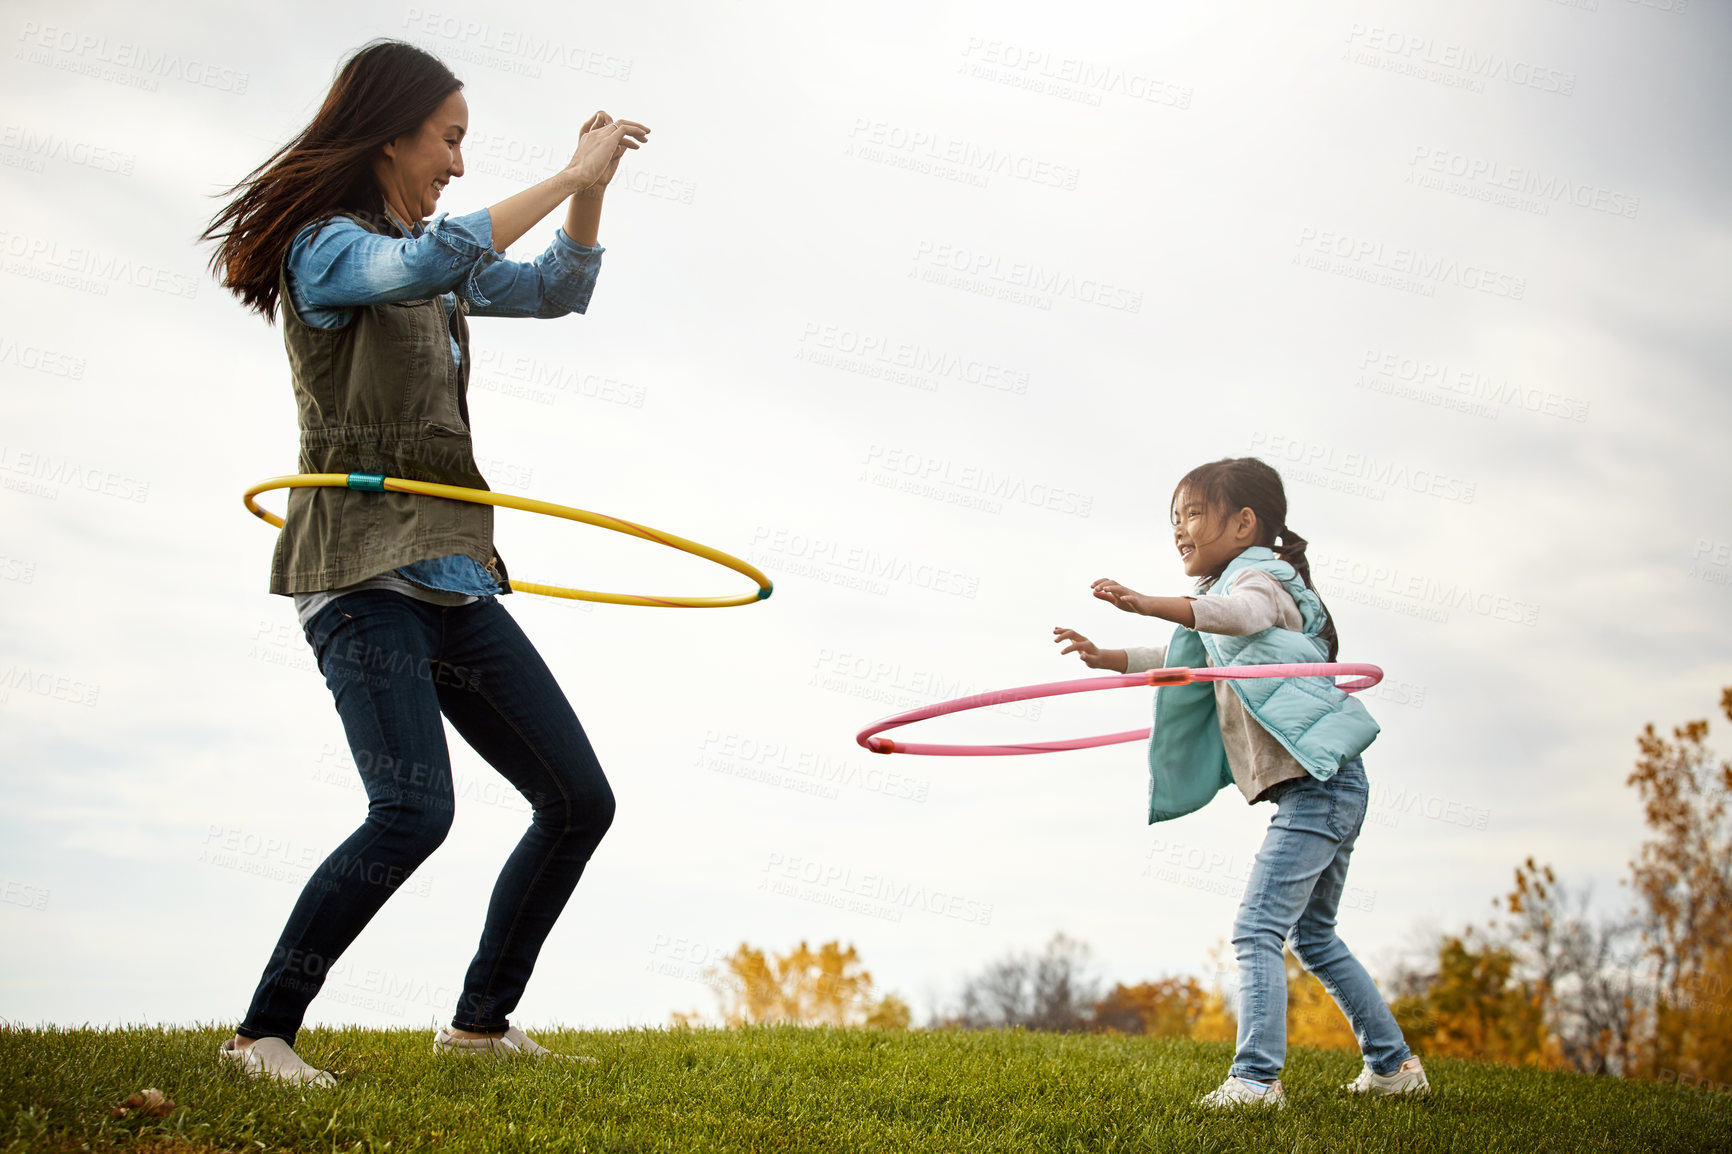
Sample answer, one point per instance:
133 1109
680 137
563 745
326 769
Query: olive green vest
379 395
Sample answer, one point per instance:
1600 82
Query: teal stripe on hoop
372 482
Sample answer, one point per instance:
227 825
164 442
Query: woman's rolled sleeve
469 239
557 282
340 265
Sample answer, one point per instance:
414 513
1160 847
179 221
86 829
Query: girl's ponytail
1290 547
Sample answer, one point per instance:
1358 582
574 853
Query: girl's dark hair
386 90
1235 483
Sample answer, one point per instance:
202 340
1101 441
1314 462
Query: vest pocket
380 395
445 453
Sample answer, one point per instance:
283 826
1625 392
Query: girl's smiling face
1209 538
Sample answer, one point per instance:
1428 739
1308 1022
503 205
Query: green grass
801 1089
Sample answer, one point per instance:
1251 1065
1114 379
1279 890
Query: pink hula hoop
1367 676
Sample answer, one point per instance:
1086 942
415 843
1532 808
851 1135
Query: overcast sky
924 311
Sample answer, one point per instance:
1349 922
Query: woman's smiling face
413 170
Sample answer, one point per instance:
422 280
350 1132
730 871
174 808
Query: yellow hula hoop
379 483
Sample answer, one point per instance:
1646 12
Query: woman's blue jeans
1295 888
395 665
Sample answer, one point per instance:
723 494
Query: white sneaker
1408 1079
273 1058
1237 1091
515 1041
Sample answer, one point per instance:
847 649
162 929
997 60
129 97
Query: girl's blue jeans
396 665
1295 887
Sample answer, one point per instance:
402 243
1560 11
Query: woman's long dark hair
386 90
1224 487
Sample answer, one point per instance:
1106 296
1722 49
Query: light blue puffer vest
1320 725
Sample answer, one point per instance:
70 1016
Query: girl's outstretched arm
1092 655
1174 609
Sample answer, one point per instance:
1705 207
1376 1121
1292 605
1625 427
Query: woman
397 593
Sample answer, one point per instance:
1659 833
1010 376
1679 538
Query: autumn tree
1055 990
803 987
1644 994
1052 990
1163 1008
1475 1006
1684 876
1313 1018
1585 971
1177 1007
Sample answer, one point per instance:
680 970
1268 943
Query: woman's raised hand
601 143
1092 655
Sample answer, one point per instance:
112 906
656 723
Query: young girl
1293 741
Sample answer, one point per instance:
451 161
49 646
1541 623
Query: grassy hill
801 1089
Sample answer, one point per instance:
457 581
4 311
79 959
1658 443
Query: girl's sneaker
1237 1091
273 1058
515 1041
1408 1079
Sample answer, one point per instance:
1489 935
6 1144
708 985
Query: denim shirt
346 266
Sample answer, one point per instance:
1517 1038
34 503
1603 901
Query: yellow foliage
1215 1022
1313 1018
806 987
1684 877
1168 1008
890 1013
1475 1009
1164 1008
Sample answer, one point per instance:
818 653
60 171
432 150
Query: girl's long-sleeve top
345 266
1254 601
